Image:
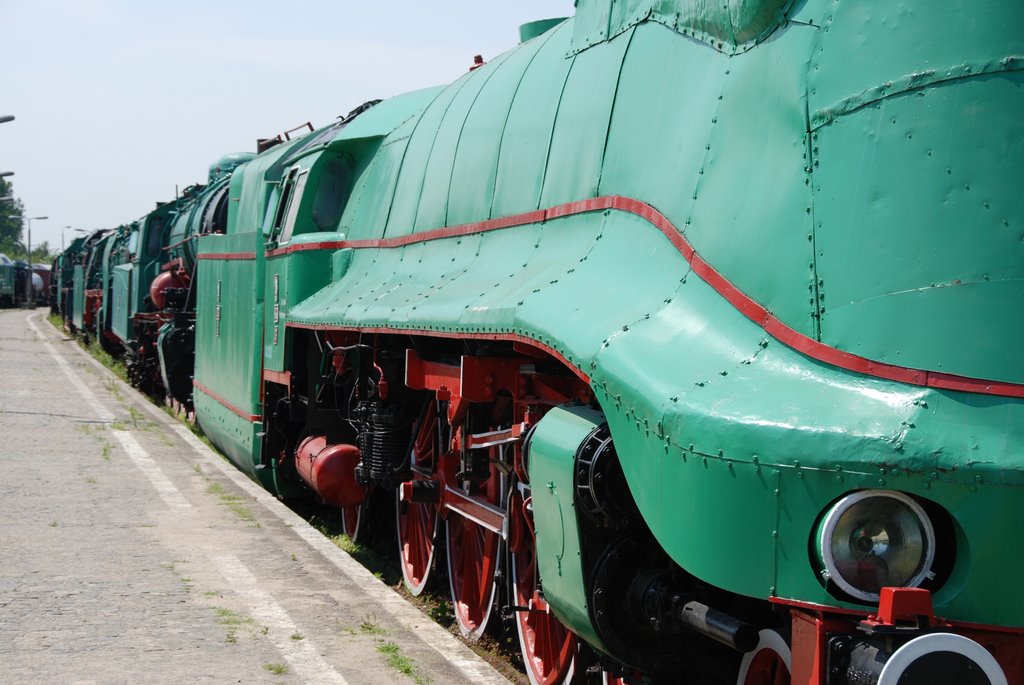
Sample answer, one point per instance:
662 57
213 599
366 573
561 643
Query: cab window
292 209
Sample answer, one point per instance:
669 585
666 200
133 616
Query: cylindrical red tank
330 470
163 281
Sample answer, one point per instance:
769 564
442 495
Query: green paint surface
853 167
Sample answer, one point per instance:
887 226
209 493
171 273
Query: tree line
12 230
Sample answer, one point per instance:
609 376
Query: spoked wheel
417 521
548 648
473 553
768 663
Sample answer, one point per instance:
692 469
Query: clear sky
118 101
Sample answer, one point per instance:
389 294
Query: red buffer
330 471
161 283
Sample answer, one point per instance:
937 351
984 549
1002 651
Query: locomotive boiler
680 336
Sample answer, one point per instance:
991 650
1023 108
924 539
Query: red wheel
417 521
768 663
548 648
472 561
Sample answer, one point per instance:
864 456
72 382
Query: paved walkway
134 554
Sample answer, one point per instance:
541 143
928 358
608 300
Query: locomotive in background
682 334
20 286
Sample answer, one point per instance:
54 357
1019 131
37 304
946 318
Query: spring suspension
382 443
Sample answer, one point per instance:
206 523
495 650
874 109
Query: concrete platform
134 554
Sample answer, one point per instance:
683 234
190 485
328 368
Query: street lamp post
64 232
30 299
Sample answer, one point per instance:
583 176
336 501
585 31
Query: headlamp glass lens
875 540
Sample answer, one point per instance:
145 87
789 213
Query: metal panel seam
511 103
611 110
462 128
253 418
426 165
551 136
912 82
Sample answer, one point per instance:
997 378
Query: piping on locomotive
679 335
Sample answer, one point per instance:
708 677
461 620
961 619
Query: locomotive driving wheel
548 648
417 521
473 553
768 663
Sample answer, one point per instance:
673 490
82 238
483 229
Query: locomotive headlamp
873 539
